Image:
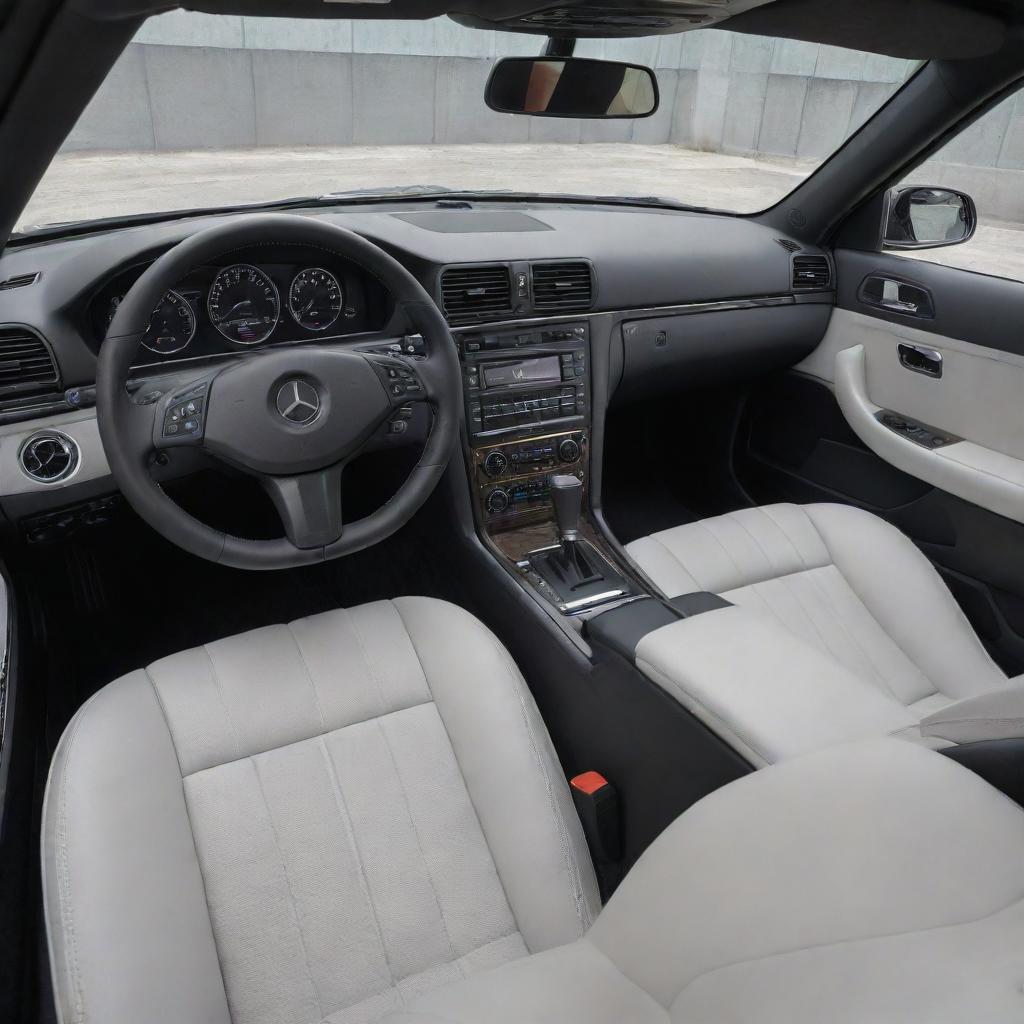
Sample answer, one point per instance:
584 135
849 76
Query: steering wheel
291 416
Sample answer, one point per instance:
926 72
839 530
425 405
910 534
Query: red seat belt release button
597 804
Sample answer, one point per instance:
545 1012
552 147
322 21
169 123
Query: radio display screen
545 370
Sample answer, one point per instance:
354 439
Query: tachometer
243 304
315 299
172 326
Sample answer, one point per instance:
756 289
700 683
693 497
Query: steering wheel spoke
309 505
179 418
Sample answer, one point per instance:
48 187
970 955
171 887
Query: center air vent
562 286
25 362
811 271
475 294
49 457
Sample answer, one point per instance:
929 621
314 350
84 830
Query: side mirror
918 217
571 87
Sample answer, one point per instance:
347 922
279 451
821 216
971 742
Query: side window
985 161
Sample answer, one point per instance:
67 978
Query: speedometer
172 326
243 304
315 299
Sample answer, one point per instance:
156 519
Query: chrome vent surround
811 270
473 294
788 245
25 362
562 286
19 281
48 457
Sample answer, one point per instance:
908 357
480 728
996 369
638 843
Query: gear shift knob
567 498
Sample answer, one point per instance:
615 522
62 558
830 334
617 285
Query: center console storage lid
762 689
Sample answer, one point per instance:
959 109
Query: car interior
518 606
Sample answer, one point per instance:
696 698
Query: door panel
941 407
814 434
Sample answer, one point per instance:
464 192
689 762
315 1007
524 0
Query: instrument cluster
245 303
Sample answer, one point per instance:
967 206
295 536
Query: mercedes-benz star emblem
298 402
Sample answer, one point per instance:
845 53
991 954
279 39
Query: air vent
788 245
25 362
474 294
49 457
594 19
562 286
19 281
811 271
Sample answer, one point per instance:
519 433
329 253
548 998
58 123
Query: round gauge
243 304
315 299
172 326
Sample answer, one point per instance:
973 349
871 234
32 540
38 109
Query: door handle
921 359
896 296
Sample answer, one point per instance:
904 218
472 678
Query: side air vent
562 286
25 362
19 281
788 245
811 271
49 457
473 294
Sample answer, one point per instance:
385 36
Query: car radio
528 416
525 378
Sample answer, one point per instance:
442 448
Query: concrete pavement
81 186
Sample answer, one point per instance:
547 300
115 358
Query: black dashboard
635 304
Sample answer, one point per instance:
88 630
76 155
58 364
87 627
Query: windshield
210 110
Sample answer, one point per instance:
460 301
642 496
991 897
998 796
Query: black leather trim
999 762
702 601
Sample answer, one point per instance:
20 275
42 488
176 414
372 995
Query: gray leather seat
840 581
361 815
308 822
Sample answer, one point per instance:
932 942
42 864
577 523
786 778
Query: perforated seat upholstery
844 582
308 823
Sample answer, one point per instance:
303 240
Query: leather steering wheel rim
126 427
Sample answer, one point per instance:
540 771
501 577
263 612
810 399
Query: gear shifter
567 497
573 570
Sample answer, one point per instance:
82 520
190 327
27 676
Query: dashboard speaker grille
470 294
562 286
25 362
811 271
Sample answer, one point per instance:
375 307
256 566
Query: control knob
497 500
496 463
569 450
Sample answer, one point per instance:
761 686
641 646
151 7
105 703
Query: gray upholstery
305 823
839 580
867 883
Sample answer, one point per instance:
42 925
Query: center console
528 412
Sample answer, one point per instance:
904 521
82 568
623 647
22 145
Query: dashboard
248 299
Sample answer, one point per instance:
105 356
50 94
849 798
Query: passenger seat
842 581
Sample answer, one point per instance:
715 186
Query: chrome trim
683 309
583 602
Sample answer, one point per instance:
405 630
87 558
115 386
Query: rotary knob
569 450
497 500
496 463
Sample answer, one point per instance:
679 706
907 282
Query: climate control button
569 450
496 464
497 500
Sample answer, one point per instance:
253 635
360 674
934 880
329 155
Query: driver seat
309 822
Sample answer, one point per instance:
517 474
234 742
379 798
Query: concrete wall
196 81
193 81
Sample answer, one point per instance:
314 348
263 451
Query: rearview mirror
919 217
571 87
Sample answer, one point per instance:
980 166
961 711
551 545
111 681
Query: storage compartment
670 354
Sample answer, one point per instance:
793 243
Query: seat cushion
844 581
308 822
875 881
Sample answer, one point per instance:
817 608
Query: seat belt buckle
597 804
